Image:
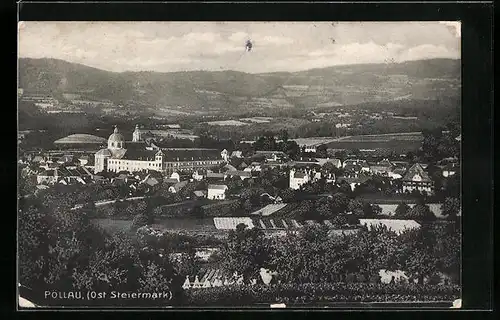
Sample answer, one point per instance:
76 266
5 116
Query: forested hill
229 90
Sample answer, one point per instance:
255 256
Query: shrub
221 208
325 292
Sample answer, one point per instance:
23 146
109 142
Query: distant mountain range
194 91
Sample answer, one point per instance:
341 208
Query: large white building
134 156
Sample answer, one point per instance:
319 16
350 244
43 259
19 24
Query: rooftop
81 138
416 169
217 186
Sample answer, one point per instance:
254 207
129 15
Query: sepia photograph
239 164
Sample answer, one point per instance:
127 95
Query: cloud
274 40
238 37
454 26
195 38
429 51
279 46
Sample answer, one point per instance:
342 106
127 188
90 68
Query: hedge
314 293
223 208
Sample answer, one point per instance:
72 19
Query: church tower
136 136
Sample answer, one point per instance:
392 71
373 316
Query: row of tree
314 255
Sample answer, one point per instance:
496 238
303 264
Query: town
186 203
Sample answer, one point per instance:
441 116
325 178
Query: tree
417 253
292 149
340 201
140 220
450 207
342 155
371 210
356 207
283 135
288 195
421 212
321 151
402 210
324 208
245 252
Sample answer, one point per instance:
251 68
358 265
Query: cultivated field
404 136
227 123
396 142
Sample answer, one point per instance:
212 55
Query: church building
134 156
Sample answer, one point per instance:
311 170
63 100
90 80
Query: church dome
116 136
116 140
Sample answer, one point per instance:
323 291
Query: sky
277 46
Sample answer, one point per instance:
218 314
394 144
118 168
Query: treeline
314 255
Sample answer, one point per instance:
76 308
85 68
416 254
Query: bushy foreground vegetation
311 293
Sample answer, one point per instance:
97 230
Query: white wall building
298 178
216 192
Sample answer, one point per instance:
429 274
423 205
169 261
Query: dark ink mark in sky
333 40
248 46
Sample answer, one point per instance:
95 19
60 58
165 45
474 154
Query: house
382 167
356 165
67 158
177 187
197 175
243 165
310 149
336 162
351 162
151 181
397 173
298 178
237 154
365 167
200 193
450 169
354 181
216 176
272 155
64 175
254 166
37 159
47 177
242 174
417 179
175 176
225 155
216 192
83 160
125 178
229 167
398 226
170 181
